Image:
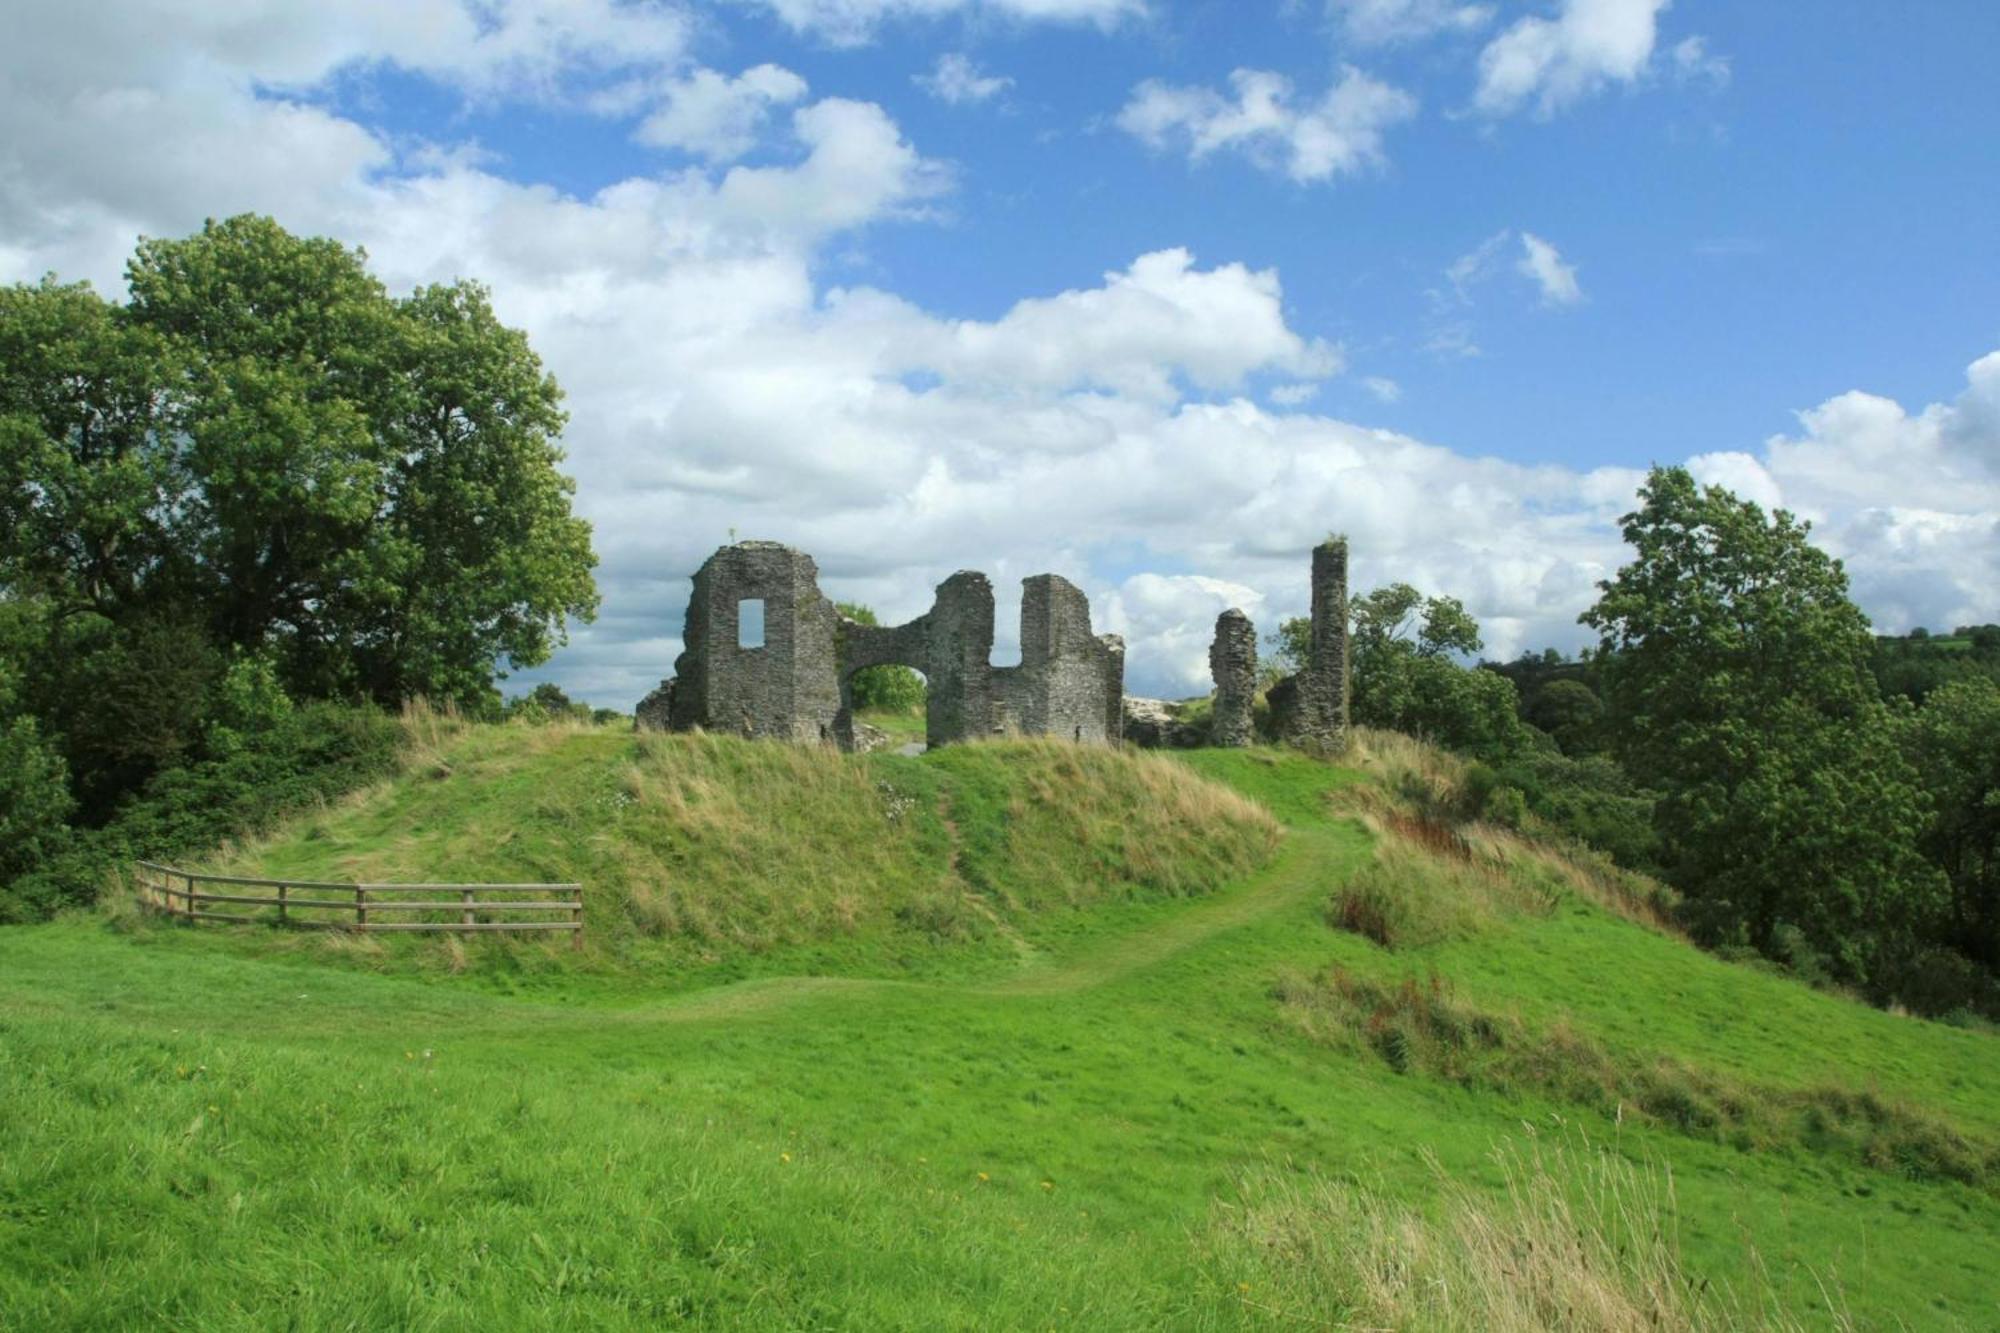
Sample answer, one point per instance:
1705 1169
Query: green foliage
302 756
1916 665
1736 682
1953 743
882 689
35 803
544 704
1397 686
1569 711
265 444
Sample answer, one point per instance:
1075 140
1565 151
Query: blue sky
1150 294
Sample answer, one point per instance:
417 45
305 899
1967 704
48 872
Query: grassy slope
1069 1130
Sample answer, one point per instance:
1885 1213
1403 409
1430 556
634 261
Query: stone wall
1232 663
1312 705
798 684
1070 683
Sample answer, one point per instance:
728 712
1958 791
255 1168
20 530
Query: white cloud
1543 263
1338 134
1379 22
1556 62
715 116
1910 500
854 22
1692 63
1385 390
1292 395
956 80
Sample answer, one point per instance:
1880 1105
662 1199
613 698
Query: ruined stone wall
1070 683
1315 705
788 688
951 644
1232 662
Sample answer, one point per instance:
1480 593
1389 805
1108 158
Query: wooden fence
320 905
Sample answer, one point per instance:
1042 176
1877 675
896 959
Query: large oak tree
265 448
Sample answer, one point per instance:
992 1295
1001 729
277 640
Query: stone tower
1316 714
1232 661
784 687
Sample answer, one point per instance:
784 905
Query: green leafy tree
364 486
1954 744
1736 681
1402 675
35 803
886 689
1569 711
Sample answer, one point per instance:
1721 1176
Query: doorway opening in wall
892 700
750 623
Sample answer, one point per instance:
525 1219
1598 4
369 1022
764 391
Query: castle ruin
794 679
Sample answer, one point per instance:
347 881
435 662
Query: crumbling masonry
796 683
1232 661
1310 708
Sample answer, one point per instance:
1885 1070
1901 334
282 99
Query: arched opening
884 707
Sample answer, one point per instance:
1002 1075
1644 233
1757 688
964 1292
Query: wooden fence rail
469 908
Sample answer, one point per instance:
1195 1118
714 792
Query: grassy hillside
1395 1072
706 857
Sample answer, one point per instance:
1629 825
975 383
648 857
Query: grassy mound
710 848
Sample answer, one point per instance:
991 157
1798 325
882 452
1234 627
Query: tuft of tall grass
1433 849
1577 1238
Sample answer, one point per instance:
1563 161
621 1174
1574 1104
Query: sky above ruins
1150 295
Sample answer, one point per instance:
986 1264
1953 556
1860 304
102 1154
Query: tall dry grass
1576 1239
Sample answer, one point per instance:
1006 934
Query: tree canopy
265 449
1736 681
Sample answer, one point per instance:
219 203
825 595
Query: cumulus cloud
1385 389
1910 500
717 117
855 22
1544 264
1379 22
1554 62
956 80
1338 134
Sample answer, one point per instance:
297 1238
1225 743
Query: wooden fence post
360 907
283 916
465 917
190 897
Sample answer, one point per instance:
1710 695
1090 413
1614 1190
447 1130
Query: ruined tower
1315 713
1232 662
783 686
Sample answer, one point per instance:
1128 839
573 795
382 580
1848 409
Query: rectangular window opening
750 623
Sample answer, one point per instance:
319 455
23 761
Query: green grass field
1009 1036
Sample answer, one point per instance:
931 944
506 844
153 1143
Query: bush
311 753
